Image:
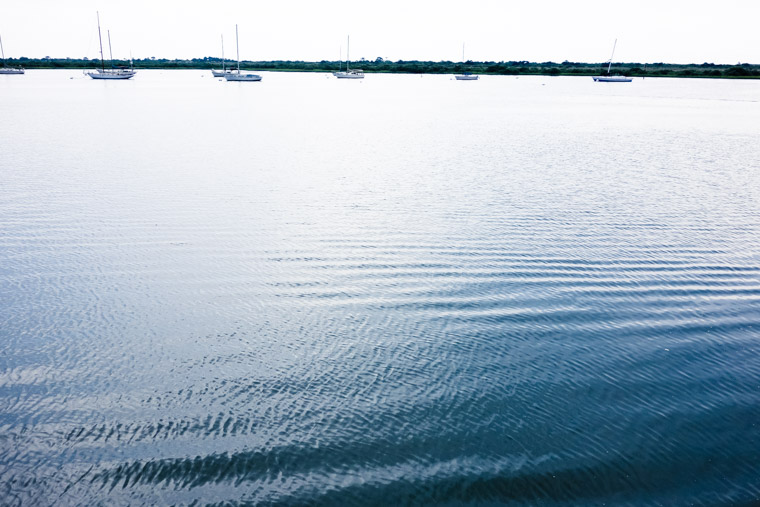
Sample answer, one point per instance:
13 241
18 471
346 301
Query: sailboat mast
237 45
348 49
100 39
463 52
110 51
2 50
612 56
223 60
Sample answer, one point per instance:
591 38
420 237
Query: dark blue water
399 291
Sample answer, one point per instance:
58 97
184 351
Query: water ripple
515 299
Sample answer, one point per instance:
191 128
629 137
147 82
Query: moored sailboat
5 69
236 75
465 76
349 73
225 70
609 78
113 72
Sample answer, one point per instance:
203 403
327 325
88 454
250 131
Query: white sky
673 31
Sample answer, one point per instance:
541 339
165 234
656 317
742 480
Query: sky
647 31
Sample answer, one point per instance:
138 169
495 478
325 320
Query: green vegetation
704 70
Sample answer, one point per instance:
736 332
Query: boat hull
219 73
349 75
10 71
612 79
106 75
242 77
465 77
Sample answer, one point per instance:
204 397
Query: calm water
402 290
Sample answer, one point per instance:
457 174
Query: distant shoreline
512 68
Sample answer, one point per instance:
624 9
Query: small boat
120 72
613 79
465 76
225 70
113 73
5 69
349 73
236 75
609 78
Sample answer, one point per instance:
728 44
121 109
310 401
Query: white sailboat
113 72
349 73
610 78
5 69
465 76
225 70
236 75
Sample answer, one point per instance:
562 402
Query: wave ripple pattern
400 291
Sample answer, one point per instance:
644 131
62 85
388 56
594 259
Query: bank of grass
704 70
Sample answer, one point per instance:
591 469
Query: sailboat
5 69
113 72
465 76
225 70
610 78
235 75
349 73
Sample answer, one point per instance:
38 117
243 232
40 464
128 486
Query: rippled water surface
401 290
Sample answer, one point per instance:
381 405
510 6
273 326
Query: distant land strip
379 65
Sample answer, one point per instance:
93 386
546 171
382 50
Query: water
401 290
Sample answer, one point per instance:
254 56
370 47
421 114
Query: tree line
566 68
